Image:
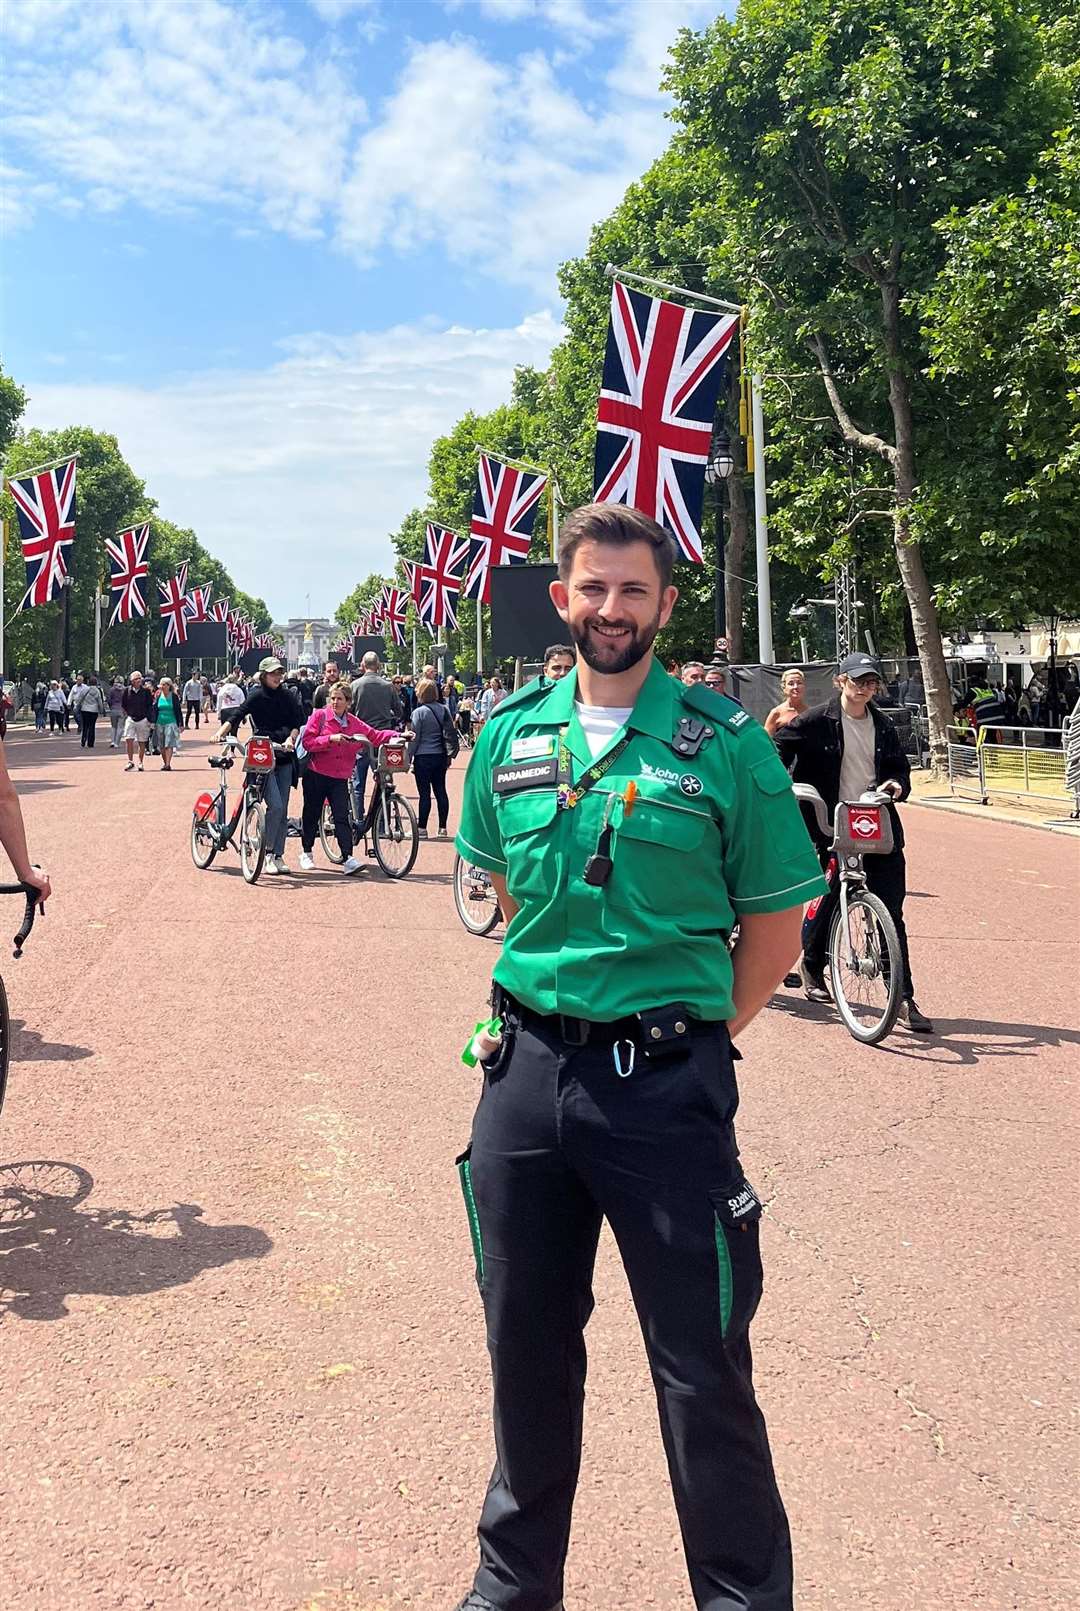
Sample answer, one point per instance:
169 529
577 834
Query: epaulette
718 708
525 695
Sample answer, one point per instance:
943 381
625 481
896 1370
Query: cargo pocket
464 1169
736 1217
525 823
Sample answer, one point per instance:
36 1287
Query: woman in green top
167 721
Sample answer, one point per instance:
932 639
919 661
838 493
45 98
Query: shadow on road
27 1046
51 1249
40 785
962 1042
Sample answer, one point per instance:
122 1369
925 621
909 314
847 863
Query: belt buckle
580 1034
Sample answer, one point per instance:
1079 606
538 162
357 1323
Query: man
843 749
627 824
138 707
693 672
330 677
273 711
375 701
230 695
558 662
192 697
305 691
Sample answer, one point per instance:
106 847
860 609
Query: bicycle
865 968
389 821
212 829
475 898
32 896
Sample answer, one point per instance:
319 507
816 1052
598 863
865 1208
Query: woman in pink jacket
330 740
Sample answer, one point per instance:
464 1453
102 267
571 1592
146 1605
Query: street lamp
718 470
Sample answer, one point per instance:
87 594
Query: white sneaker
270 866
350 866
307 864
282 864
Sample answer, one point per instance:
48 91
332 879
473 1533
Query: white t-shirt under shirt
601 723
857 765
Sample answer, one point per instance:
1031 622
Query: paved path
244 1363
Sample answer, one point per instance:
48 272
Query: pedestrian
628 822
491 698
274 712
230 695
330 679
26 694
376 702
56 705
793 688
114 699
207 697
431 749
329 738
91 705
37 705
74 700
167 716
558 662
139 713
843 749
693 672
192 697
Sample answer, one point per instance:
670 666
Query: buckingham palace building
307 640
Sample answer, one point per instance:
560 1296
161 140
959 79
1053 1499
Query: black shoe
792 981
813 982
477 1602
916 1021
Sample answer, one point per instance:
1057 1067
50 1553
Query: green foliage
12 404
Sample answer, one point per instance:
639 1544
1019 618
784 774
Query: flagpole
38 469
97 626
614 273
479 643
761 529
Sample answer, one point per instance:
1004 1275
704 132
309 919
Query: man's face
692 675
330 674
558 667
613 604
714 679
136 679
859 691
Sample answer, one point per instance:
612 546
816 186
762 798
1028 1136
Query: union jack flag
197 604
219 611
662 374
45 505
181 575
437 579
172 610
395 605
504 512
127 568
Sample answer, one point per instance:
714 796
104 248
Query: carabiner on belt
624 1067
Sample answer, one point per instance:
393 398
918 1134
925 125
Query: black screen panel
523 619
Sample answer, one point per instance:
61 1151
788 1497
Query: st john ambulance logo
689 784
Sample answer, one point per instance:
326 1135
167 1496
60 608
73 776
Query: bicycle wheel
203 844
253 840
396 841
475 898
865 968
326 836
30 1190
5 1042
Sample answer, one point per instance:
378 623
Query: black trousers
560 1141
430 771
317 788
88 723
57 722
886 877
194 706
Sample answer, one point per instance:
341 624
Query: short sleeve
770 863
478 837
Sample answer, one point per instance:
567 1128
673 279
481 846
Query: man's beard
607 660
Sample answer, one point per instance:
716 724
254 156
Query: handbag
451 742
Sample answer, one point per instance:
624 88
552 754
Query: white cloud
334 11
294 475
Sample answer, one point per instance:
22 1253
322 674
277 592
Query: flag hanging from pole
172 611
219 611
197 604
127 568
654 418
394 606
45 505
504 512
438 579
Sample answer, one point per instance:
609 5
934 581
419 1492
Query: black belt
659 1030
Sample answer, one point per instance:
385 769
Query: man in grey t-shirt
377 702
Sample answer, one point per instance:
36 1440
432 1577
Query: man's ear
560 597
667 604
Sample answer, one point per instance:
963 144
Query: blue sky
278 248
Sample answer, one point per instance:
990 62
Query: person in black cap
842 749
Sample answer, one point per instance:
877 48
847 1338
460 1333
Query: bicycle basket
259 755
864 830
392 757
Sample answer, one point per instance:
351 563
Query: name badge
526 775
527 749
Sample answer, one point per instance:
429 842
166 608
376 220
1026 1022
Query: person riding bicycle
843 749
274 713
13 836
330 740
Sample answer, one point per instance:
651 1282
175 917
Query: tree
12 404
845 131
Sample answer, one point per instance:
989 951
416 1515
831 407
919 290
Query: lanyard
568 795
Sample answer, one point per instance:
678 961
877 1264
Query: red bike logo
865 823
393 757
259 755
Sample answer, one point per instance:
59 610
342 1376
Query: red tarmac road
244 1364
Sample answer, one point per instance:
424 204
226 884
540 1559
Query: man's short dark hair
617 524
558 648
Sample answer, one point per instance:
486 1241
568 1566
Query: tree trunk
908 554
737 533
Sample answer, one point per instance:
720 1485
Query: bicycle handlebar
33 901
806 794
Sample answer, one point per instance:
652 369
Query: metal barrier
1030 763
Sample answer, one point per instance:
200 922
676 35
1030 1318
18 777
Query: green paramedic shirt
708 838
